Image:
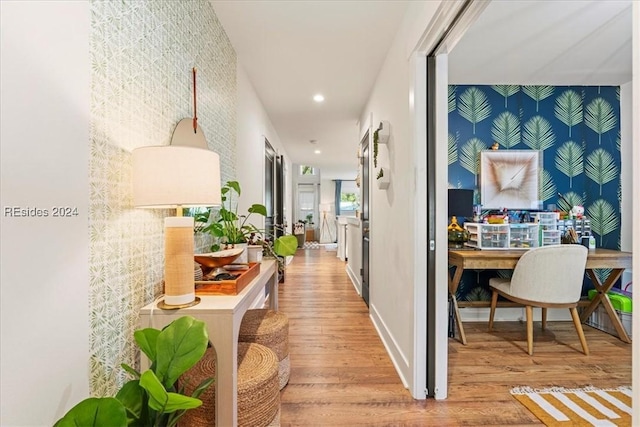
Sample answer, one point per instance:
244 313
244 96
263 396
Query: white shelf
383 132
383 183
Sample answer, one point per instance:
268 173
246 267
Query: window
307 202
349 198
307 170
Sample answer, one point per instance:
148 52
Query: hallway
341 373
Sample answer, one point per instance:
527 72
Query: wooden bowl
218 259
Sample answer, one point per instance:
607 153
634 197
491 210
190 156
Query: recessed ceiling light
318 97
317 151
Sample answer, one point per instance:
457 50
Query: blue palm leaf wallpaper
576 127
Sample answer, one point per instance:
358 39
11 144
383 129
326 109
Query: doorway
274 222
307 208
364 204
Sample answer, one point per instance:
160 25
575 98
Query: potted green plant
279 248
151 398
231 228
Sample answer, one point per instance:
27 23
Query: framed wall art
510 179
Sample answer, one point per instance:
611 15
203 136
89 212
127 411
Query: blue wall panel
576 127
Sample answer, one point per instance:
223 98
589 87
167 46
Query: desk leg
453 287
225 343
602 298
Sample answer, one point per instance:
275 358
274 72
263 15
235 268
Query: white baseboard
512 314
400 362
354 279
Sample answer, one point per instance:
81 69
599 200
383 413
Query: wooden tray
228 287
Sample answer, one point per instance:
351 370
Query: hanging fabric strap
195 111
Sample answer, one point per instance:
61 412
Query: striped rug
589 406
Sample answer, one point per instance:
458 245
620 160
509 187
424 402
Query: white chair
546 277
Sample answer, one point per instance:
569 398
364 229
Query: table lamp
175 177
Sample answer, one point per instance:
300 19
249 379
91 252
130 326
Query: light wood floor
341 373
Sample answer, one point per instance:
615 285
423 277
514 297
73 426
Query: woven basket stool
258 392
271 329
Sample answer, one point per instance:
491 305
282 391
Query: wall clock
510 179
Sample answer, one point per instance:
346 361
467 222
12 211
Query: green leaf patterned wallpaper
576 127
142 53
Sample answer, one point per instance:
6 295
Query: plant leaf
602 273
548 188
538 134
146 340
600 117
258 209
95 411
180 346
451 92
235 185
474 106
568 108
603 218
130 370
202 387
134 399
538 93
470 155
452 148
506 129
574 199
162 401
285 245
569 160
506 91
601 167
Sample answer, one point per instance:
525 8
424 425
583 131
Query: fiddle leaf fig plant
152 397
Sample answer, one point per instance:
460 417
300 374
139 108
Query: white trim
445 14
436 28
635 48
432 33
418 115
354 279
441 222
399 360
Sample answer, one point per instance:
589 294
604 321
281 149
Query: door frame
365 212
431 354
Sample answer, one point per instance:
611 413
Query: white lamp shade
325 207
170 176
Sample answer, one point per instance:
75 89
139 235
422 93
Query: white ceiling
562 42
293 50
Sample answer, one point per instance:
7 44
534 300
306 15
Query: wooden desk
222 314
617 261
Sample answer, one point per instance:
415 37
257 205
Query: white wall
44 157
328 192
253 127
354 252
392 234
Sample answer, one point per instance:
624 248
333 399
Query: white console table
222 314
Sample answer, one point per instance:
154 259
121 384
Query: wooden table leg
453 287
602 298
